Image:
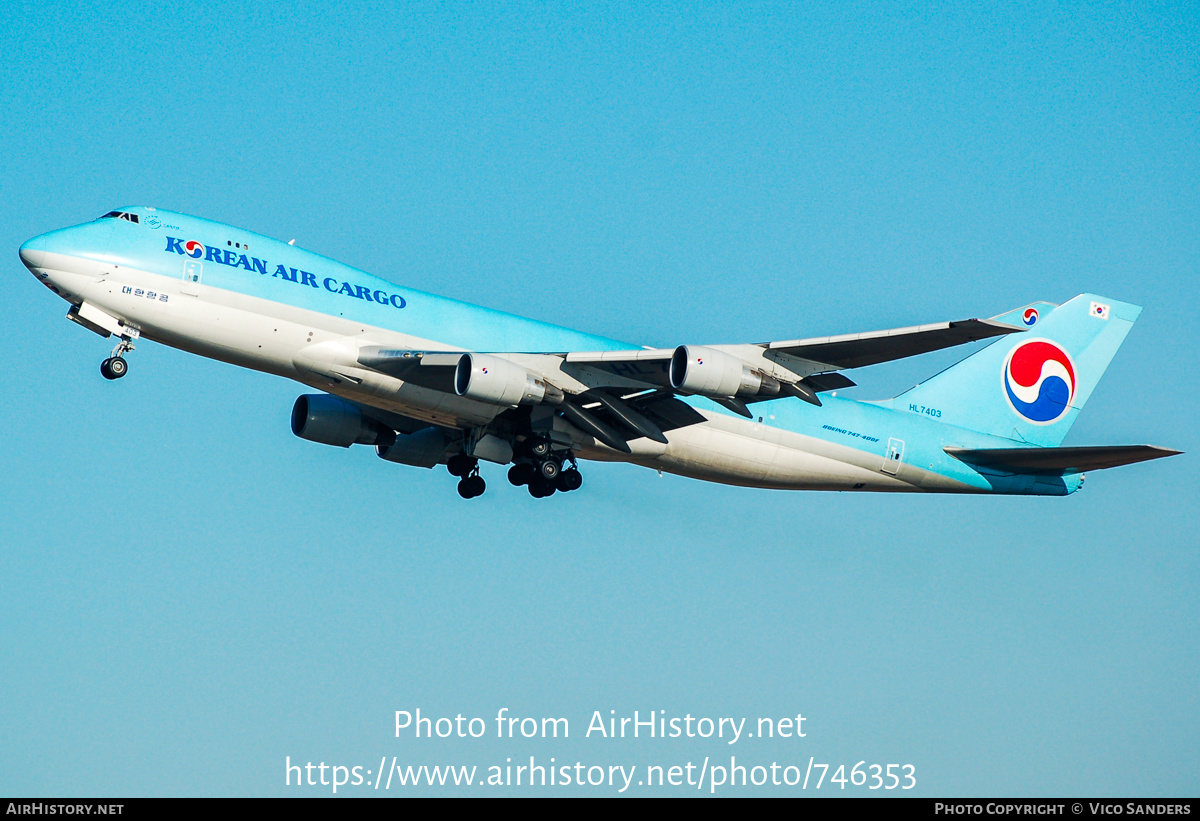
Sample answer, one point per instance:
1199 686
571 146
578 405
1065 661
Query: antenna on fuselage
291 242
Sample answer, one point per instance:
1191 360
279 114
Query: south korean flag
1099 310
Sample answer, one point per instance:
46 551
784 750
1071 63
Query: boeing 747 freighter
428 380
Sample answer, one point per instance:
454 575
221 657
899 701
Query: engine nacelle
710 372
501 382
422 449
319 417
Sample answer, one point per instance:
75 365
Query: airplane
431 381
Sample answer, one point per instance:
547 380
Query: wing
620 395
860 350
609 412
798 367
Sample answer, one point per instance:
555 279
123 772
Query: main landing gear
539 468
544 475
115 366
470 483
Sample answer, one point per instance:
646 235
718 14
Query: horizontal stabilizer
1058 461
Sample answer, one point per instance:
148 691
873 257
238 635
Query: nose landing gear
115 366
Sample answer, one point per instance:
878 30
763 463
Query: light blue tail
1029 386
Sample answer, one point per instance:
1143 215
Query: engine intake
319 417
492 379
710 372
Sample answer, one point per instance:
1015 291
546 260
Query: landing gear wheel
539 488
521 474
540 448
461 465
549 470
471 486
570 479
114 368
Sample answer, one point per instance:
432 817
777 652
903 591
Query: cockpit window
122 215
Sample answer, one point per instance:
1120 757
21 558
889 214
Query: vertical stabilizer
1029 387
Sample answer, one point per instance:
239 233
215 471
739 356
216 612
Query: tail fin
1030 387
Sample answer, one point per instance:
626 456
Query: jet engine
710 372
501 382
319 417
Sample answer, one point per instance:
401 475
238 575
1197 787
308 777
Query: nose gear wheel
115 366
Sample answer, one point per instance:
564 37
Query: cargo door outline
193 270
894 457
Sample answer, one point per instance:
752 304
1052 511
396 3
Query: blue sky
189 594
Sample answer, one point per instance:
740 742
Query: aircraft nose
33 252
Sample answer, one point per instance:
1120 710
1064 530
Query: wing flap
1058 461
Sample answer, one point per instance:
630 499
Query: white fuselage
320 348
